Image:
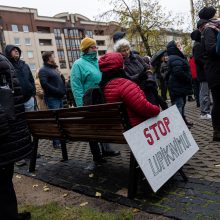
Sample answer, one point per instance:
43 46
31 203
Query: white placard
161 146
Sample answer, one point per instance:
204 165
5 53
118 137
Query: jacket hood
201 22
111 61
196 35
173 50
8 50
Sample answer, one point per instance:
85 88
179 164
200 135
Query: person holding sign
117 87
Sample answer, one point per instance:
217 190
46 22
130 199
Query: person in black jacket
179 78
24 75
198 54
52 84
209 26
15 143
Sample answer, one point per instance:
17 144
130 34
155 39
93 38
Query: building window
41 29
59 44
65 32
45 42
100 42
99 32
101 52
14 28
89 34
61 55
17 41
62 64
25 28
32 66
30 54
27 41
57 32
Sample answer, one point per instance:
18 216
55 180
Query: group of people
122 75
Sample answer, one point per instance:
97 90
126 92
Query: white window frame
31 65
28 55
25 26
26 42
19 42
14 27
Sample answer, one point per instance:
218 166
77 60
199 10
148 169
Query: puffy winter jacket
124 90
16 145
179 76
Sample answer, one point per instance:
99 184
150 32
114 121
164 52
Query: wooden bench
103 123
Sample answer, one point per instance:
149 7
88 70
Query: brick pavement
197 199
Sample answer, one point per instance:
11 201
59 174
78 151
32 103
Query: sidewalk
197 199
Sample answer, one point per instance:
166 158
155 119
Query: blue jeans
54 103
29 105
180 102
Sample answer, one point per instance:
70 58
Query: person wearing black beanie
209 26
207 13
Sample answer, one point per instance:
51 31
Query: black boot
216 135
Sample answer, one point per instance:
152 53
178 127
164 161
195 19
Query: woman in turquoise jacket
85 74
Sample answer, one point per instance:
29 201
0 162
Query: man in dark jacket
198 54
15 143
179 78
52 84
209 26
24 75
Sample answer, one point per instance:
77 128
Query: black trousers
8 200
216 107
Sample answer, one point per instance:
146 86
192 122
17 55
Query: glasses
94 47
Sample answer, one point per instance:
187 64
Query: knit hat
86 43
118 36
111 61
207 13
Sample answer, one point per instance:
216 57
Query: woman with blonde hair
39 93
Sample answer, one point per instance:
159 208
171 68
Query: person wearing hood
117 87
179 78
52 84
24 74
85 74
15 142
209 26
198 54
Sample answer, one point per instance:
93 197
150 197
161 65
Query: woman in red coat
116 87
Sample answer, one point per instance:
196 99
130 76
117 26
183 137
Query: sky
88 8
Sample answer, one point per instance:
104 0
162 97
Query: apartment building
61 34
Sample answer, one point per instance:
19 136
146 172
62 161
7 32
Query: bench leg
183 175
133 177
64 150
34 155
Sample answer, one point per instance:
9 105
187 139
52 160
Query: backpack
93 96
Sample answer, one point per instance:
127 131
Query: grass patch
56 212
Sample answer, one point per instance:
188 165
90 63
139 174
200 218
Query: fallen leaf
98 194
65 195
67 208
46 188
91 175
18 176
83 204
35 185
135 210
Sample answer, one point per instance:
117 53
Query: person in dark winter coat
118 36
24 75
179 78
117 87
198 53
14 145
52 84
134 65
209 26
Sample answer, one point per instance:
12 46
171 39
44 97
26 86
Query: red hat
111 61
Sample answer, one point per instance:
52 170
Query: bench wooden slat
96 126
